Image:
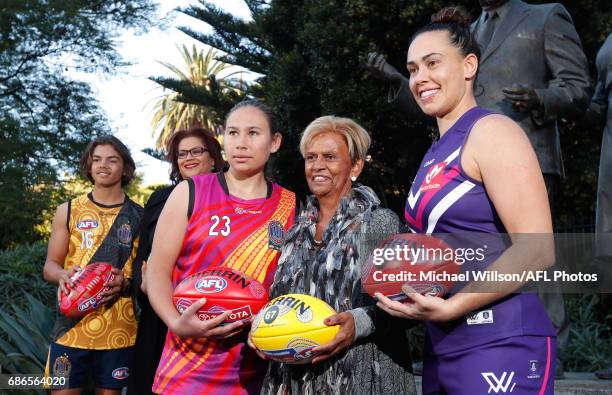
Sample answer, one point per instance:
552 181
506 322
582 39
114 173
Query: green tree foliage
21 270
24 345
202 71
46 117
140 193
311 56
590 345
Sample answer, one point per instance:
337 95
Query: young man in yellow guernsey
100 226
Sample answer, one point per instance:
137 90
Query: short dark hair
213 146
129 167
261 106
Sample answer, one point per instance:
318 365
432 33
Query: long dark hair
129 167
211 143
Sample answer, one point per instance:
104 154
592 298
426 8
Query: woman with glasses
191 152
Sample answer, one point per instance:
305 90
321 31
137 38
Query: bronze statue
600 110
532 69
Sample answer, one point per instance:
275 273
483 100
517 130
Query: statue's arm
399 91
599 103
400 96
569 90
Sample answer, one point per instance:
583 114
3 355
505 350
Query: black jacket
151 329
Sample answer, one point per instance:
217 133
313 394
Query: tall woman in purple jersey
482 175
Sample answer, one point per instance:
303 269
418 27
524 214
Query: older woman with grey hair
323 256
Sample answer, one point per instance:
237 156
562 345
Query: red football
224 289
425 262
85 295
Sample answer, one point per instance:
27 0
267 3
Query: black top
151 329
152 210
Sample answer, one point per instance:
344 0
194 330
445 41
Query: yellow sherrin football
289 326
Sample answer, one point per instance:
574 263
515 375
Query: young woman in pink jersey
487 181
205 223
190 152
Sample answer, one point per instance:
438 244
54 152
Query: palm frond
198 93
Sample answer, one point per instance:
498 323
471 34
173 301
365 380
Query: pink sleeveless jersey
246 235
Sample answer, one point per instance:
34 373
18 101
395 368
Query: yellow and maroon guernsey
245 235
89 224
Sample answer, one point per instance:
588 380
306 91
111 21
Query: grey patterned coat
379 361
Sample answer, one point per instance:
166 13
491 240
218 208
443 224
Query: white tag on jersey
480 317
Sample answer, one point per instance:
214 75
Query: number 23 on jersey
220 226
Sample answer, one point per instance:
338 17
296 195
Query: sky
127 95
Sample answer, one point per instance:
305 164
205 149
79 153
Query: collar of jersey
223 183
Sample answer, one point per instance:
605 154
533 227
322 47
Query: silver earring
353 178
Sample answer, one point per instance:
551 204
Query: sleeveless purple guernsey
443 199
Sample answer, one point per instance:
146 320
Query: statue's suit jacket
536 45
601 108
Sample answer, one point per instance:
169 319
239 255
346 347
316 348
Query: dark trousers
150 341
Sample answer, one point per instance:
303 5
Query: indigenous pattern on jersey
443 199
100 233
245 235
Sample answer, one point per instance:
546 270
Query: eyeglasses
195 152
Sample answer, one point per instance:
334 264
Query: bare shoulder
180 192
497 130
60 232
62 208
495 141
61 213
178 201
